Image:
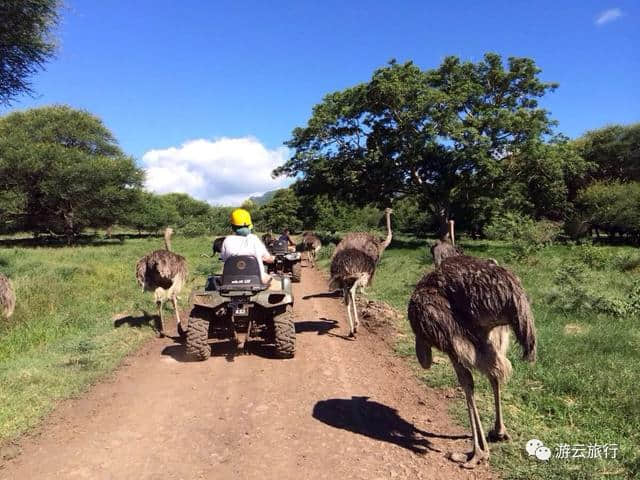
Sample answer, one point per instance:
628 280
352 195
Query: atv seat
241 273
279 247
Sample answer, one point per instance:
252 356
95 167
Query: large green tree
26 42
440 135
65 171
279 213
613 151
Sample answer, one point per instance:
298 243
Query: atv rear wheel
197 344
285 334
296 272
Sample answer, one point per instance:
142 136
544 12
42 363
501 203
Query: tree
613 151
280 212
612 206
25 42
67 169
151 212
440 135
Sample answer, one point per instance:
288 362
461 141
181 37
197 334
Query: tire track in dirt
339 409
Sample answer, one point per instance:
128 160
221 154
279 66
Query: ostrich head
167 238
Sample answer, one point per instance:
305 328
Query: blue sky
163 72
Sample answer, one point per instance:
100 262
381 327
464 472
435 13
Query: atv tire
296 272
198 347
285 334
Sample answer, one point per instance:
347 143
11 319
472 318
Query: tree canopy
25 42
441 135
64 171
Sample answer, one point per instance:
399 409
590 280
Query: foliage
151 213
25 42
612 206
279 213
613 151
526 235
440 135
67 168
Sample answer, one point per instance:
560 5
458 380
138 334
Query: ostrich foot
498 436
468 460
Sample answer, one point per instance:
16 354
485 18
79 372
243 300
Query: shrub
526 235
194 229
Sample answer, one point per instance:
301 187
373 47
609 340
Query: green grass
583 388
61 338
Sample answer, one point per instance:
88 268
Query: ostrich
268 239
443 249
7 297
351 268
217 245
465 309
164 273
312 245
367 243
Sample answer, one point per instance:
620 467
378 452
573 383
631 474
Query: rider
245 243
286 238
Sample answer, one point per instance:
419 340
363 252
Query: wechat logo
535 448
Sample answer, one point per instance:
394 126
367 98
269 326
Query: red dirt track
341 409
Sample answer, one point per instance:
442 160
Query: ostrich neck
387 240
167 243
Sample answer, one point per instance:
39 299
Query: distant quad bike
286 262
237 302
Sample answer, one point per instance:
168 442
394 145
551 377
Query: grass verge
62 337
584 388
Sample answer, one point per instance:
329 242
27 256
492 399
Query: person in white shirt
245 243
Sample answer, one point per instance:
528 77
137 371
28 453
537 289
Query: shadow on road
321 326
142 320
375 420
334 294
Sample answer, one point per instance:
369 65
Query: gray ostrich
351 269
442 249
366 242
164 273
465 309
312 245
7 297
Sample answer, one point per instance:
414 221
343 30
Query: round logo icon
241 265
532 446
543 453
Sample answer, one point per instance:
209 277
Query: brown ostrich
442 249
164 273
366 242
7 297
465 309
351 269
312 245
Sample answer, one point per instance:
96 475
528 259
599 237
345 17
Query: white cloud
608 16
225 171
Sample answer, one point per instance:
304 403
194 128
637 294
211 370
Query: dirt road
340 409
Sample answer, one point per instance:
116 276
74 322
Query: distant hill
264 198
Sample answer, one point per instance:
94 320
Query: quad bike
286 262
238 302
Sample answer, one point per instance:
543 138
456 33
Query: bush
526 235
194 229
573 294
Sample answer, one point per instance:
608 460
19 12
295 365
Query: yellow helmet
241 218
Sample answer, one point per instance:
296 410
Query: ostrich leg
160 304
499 432
177 310
352 293
480 450
347 301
